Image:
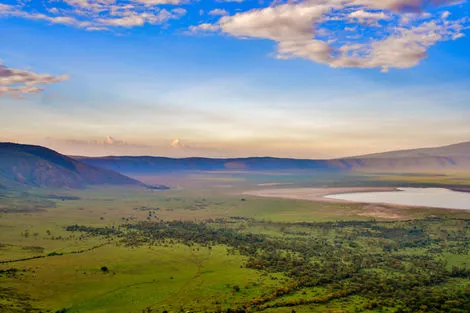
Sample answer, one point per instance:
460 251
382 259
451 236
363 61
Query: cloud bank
17 83
380 34
348 33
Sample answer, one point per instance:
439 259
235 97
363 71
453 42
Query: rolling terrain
448 158
36 166
449 151
26 165
209 246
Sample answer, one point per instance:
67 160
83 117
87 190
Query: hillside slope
454 157
409 164
42 167
147 164
458 150
449 158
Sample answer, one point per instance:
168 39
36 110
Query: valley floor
206 248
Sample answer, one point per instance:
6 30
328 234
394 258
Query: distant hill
451 151
147 164
449 158
42 167
454 157
29 165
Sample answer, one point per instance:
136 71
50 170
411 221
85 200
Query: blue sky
321 78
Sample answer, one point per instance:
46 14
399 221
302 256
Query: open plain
129 249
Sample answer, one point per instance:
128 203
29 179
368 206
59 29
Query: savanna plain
209 245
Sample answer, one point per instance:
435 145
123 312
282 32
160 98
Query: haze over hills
455 150
149 164
448 158
38 166
42 167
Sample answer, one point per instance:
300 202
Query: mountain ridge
451 157
457 149
30 165
37 166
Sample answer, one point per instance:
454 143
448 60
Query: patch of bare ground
381 211
274 184
313 194
374 210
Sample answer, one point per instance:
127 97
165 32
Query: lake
429 197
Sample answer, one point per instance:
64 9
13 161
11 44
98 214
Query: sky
233 78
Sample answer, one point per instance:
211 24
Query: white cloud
178 144
445 14
218 12
404 5
368 17
17 83
107 141
304 29
111 141
341 33
203 28
282 22
99 14
157 2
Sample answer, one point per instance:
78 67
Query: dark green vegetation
388 266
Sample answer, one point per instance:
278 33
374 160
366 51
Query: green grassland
45 267
161 277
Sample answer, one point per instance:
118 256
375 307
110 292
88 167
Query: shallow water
429 197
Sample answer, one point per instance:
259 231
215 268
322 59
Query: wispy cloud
99 14
236 1
388 33
105 146
112 146
106 141
221 12
17 82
